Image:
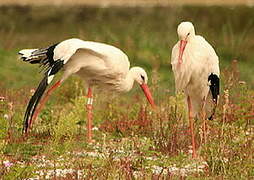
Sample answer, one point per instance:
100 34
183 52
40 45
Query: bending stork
97 63
196 70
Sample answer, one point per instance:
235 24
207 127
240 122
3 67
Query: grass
131 140
131 29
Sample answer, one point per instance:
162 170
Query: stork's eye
142 77
188 34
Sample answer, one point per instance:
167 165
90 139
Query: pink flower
7 163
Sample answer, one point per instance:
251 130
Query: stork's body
196 70
103 65
97 63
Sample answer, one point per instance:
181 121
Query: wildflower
137 174
2 98
149 158
6 116
10 104
157 169
32 91
47 176
225 160
7 164
80 174
190 151
95 128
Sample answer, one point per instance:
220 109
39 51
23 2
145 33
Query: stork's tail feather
32 55
34 102
44 56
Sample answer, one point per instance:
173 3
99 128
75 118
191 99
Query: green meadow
131 141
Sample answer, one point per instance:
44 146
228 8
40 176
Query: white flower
32 91
2 98
137 174
201 166
173 169
157 169
6 116
80 174
95 128
225 160
149 158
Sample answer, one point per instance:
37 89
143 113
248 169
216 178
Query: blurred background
144 29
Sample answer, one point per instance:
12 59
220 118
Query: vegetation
131 140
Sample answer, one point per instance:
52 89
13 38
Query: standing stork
196 70
96 63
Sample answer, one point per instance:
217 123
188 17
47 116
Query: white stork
196 70
98 64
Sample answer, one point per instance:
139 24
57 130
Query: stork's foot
192 152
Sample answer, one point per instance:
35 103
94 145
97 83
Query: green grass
145 34
132 141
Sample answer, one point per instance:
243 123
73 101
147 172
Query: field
132 141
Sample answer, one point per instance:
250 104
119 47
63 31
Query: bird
195 66
98 64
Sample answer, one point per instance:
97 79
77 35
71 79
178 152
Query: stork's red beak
148 94
181 50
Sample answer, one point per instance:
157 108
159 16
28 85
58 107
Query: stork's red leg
89 108
203 115
43 101
191 127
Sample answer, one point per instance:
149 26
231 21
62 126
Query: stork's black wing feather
214 81
214 86
34 102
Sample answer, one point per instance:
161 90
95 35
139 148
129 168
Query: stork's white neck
128 81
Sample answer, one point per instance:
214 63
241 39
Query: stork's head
140 76
185 31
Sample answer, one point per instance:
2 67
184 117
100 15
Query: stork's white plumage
97 63
196 69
